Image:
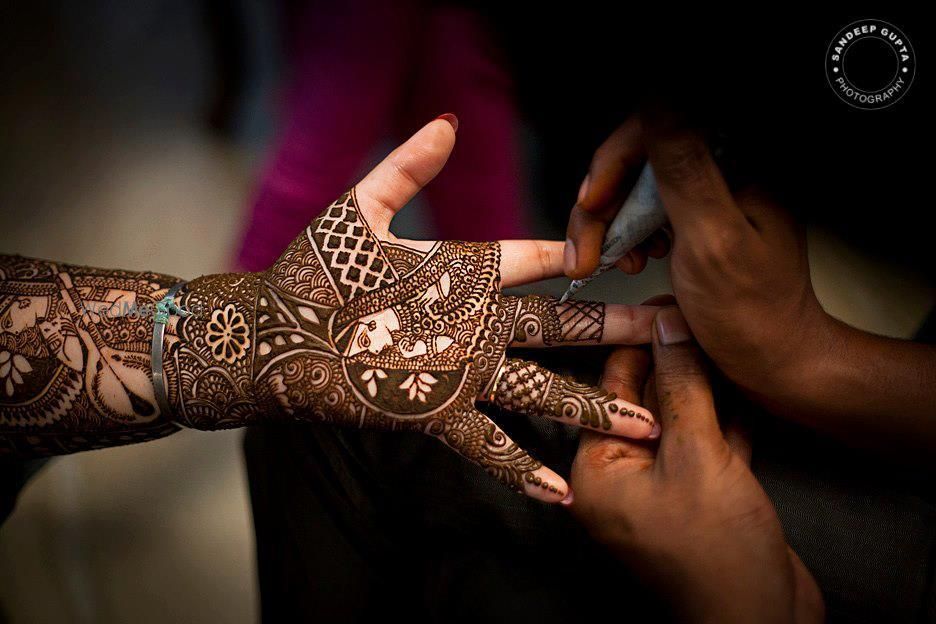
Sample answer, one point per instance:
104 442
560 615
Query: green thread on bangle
165 307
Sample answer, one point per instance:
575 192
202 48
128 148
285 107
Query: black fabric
865 527
352 527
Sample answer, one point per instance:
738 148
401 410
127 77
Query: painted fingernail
568 256
655 432
583 189
671 326
451 118
568 499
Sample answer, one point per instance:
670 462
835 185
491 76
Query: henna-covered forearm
75 357
75 362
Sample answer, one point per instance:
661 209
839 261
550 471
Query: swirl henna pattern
350 326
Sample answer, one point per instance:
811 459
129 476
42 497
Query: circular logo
870 64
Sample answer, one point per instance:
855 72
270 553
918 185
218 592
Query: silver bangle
164 308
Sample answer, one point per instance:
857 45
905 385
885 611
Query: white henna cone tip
641 215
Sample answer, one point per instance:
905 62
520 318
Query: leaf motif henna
74 357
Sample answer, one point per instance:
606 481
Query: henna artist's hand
688 515
354 326
739 267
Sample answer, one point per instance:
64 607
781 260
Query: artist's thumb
687 410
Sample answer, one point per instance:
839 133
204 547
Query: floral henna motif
227 335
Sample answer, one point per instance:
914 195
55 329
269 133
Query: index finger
616 160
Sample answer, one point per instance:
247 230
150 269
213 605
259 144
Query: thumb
402 174
687 410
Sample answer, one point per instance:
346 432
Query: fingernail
451 118
671 326
655 432
568 256
583 189
568 499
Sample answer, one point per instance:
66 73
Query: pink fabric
366 71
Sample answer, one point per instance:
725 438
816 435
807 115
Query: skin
740 272
689 513
351 326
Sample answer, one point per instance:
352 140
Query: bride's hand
355 326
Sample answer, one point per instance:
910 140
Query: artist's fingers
697 199
477 438
616 160
528 388
633 262
526 261
544 322
658 245
408 168
687 410
612 172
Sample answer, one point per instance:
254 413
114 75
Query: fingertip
568 500
545 485
640 261
631 421
670 327
626 263
451 118
586 233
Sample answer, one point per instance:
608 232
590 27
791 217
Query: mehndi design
350 326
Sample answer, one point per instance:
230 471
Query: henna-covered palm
356 327
350 326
